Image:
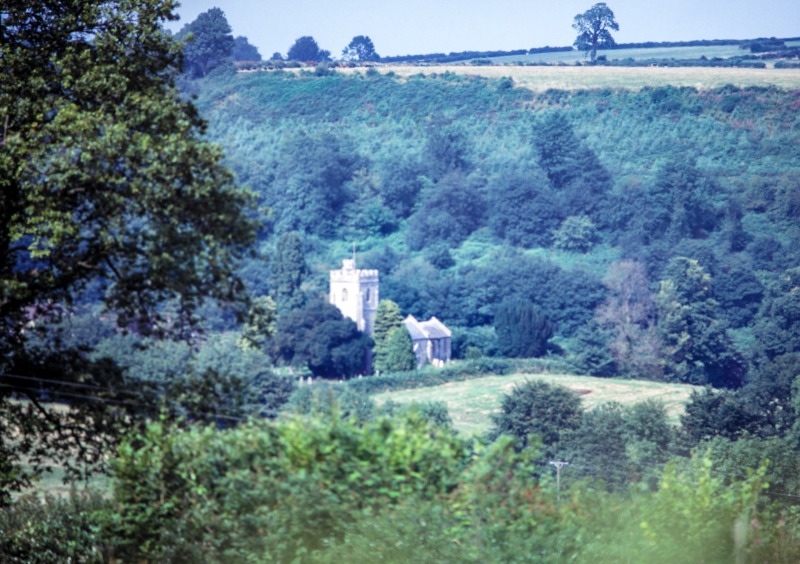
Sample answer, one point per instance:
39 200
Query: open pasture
571 57
542 78
472 402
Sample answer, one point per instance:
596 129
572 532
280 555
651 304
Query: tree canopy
107 187
360 49
243 50
209 42
320 338
306 49
594 28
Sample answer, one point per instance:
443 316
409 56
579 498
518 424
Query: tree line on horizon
212 44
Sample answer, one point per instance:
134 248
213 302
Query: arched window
366 297
344 295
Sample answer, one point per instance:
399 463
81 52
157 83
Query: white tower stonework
355 293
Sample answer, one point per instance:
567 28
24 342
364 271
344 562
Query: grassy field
544 78
571 57
470 403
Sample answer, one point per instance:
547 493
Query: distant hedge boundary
455 372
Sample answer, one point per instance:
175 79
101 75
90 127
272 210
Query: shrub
537 409
270 491
50 529
576 233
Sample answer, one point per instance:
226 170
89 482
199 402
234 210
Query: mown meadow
471 403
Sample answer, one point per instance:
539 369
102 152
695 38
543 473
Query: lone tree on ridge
593 29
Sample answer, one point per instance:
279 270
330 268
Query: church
356 292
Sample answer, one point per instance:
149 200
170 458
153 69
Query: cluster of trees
341 479
642 263
108 187
208 43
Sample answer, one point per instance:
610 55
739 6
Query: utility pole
559 465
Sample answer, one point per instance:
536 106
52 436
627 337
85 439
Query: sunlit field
472 402
544 78
571 57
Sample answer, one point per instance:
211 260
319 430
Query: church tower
355 293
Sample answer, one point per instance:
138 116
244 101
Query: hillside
467 190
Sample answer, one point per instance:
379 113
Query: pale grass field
542 78
471 402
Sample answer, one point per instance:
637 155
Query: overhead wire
116 401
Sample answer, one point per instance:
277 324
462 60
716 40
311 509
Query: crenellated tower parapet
356 293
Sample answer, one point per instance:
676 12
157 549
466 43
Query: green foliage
735 459
597 447
332 401
110 193
448 212
618 446
778 327
522 330
693 516
537 409
143 238
327 490
522 206
387 318
360 49
576 233
579 179
208 42
272 491
453 372
318 337
446 149
288 269
243 50
308 196
712 414
698 349
594 28
53 529
682 196
398 353
305 49
259 325
434 412
769 395
424 148
593 354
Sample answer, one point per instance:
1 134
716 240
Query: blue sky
401 27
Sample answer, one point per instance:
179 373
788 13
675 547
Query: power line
116 401
53 381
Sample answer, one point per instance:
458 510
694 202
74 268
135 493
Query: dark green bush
453 372
51 529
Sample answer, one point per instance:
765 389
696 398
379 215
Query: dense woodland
656 230
167 237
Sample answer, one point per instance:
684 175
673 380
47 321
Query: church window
344 295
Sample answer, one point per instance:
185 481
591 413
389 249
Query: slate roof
431 329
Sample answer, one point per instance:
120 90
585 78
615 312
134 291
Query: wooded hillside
466 192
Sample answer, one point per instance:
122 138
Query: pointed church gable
432 340
435 329
414 329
